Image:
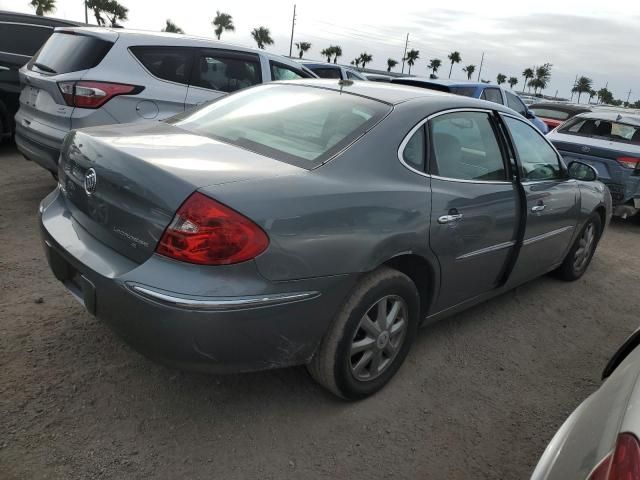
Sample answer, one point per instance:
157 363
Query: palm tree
469 69
583 85
412 56
434 65
365 58
327 52
543 75
302 48
223 23
513 81
172 27
337 52
262 36
592 93
501 78
604 95
356 62
455 58
43 6
527 74
536 83
391 63
111 8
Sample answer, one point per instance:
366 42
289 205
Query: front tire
579 257
371 336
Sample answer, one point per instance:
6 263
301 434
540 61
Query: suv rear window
22 39
606 129
167 63
300 125
66 52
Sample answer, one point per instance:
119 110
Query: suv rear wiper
44 68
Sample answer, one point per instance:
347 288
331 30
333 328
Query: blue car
484 91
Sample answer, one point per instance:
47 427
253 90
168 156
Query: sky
589 37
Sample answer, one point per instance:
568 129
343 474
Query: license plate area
32 96
78 285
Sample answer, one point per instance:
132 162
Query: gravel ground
479 396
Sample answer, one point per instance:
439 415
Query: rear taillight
87 94
206 232
621 464
629 162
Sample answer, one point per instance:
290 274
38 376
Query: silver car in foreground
599 440
313 222
84 77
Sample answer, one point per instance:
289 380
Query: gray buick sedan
315 222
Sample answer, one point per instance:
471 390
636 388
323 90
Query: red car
555 114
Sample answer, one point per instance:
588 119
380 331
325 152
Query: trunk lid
143 173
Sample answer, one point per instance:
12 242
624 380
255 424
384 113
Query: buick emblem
586 149
90 181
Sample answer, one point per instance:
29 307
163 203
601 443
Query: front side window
283 72
538 159
492 95
297 124
226 72
168 63
514 103
465 147
414 151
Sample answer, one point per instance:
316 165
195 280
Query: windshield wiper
44 68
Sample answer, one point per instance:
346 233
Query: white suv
84 77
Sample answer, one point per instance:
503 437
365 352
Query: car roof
396 93
146 37
629 118
564 107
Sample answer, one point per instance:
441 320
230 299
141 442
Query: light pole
406 44
293 25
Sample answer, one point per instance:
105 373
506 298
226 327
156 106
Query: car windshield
600 128
298 124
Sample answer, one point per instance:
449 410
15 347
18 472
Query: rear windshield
548 113
464 91
66 52
301 125
327 72
606 129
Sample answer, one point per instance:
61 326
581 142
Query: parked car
332 70
554 114
21 36
306 223
484 91
610 142
85 77
599 440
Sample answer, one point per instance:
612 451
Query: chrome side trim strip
482 251
222 303
544 236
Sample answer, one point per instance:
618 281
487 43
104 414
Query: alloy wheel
585 247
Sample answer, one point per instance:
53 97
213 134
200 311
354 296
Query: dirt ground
479 397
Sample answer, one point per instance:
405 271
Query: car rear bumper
37 148
252 324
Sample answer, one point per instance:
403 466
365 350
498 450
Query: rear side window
168 63
606 129
65 52
22 39
327 72
284 72
300 125
226 71
492 95
465 147
514 103
414 151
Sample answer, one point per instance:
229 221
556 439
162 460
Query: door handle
449 218
538 208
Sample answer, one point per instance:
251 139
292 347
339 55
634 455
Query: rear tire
579 257
370 337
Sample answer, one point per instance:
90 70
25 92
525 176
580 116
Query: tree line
537 78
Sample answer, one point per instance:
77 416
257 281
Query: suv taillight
629 162
621 464
206 232
85 94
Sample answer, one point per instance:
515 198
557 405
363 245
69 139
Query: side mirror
530 114
582 171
